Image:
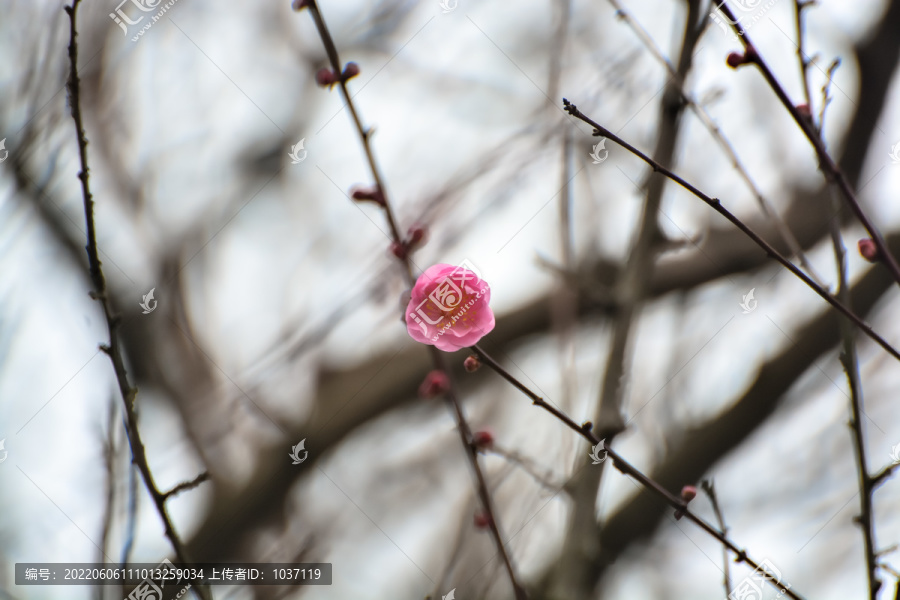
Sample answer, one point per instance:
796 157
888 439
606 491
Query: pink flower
449 308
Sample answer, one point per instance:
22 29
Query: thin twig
850 362
883 474
826 91
849 355
527 465
573 576
187 485
799 5
707 486
586 431
438 359
716 205
832 171
110 451
716 132
114 350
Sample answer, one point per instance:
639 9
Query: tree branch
716 205
113 350
832 171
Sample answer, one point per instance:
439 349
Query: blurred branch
832 171
849 356
527 465
710 489
585 430
700 112
113 350
716 205
850 362
707 443
110 450
571 578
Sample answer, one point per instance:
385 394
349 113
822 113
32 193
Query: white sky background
214 83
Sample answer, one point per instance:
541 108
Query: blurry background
279 303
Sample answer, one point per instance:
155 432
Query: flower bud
370 194
350 70
804 111
472 364
483 439
399 250
868 250
736 59
299 5
434 384
688 493
417 235
482 520
326 77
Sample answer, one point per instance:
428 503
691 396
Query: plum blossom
449 308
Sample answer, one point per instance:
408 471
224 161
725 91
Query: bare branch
716 205
113 350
